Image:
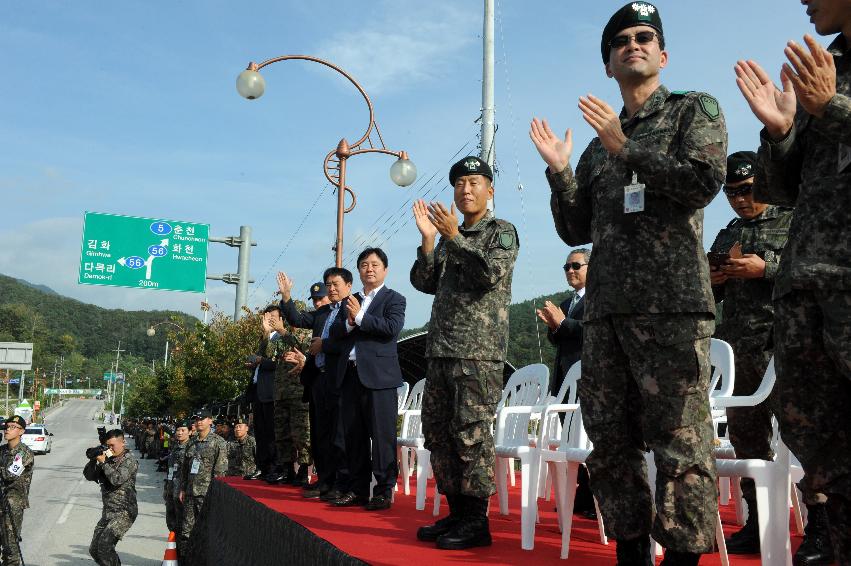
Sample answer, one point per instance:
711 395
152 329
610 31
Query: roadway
64 507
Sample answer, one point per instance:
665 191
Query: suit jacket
375 338
315 320
568 341
264 390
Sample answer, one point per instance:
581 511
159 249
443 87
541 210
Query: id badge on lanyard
633 196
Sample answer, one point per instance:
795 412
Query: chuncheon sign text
145 253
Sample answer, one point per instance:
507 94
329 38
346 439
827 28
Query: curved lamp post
152 330
251 85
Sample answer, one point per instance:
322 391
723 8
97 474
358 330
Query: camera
95 451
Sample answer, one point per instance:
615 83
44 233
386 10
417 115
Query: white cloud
409 43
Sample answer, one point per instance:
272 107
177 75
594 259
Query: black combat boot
677 558
816 548
472 530
746 540
634 552
300 479
444 525
288 475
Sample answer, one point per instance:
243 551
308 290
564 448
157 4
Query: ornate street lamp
251 85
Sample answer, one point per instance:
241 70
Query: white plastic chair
553 428
410 442
524 394
402 396
771 478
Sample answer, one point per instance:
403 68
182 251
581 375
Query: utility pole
114 374
241 278
488 126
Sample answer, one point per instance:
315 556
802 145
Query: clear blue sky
130 108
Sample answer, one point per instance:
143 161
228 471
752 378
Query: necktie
320 357
573 302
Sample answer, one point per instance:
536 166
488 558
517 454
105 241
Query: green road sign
145 253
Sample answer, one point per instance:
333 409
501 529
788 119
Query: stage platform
251 523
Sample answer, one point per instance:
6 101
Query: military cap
318 290
203 414
18 420
633 14
471 165
184 423
242 419
740 166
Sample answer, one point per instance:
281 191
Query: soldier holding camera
113 467
16 470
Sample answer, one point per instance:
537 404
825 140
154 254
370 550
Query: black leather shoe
311 493
634 552
330 495
314 485
816 548
300 478
677 558
379 503
430 533
256 475
349 500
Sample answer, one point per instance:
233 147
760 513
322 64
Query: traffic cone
170 556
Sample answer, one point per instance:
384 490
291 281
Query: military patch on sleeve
709 106
506 239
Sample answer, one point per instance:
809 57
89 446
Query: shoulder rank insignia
709 106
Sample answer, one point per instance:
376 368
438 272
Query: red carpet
389 537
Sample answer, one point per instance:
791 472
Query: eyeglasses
641 38
13 427
574 265
739 191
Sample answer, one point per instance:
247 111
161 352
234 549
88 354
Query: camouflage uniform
747 318
117 479
17 488
241 455
172 487
210 459
292 416
470 278
812 295
648 316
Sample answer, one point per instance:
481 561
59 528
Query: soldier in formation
469 272
171 488
16 470
242 450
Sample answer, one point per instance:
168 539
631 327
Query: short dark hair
337 272
370 251
114 433
271 308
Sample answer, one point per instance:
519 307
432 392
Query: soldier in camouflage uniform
805 162
206 458
116 475
16 470
171 487
638 194
469 273
292 416
744 283
241 450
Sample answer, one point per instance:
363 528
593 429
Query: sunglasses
641 38
574 265
738 191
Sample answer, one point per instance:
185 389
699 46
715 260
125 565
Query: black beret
18 420
740 166
318 290
203 414
471 165
242 419
633 14
183 424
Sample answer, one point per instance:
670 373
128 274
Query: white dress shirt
367 300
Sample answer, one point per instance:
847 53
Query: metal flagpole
488 126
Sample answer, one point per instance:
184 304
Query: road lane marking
66 511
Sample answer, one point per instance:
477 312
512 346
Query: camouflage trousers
173 508
191 542
749 428
11 529
812 338
109 530
459 404
292 427
644 386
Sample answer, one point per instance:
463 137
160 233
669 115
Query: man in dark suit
261 394
368 373
564 325
319 375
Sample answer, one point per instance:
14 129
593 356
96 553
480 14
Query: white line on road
66 511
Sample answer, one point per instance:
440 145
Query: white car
38 438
